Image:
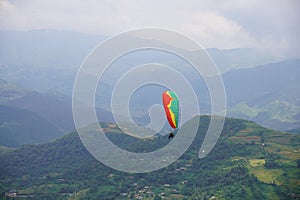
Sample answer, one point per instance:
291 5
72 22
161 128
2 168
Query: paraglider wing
171 105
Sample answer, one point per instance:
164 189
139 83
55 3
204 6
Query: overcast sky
272 25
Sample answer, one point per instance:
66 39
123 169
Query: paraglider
171 106
171 135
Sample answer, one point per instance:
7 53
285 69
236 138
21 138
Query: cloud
271 24
216 30
11 17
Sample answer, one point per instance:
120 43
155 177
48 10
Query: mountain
268 94
230 59
60 49
40 78
295 130
249 162
264 83
48 59
19 126
25 114
45 48
53 106
55 110
44 60
22 120
9 91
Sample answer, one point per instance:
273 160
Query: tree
271 161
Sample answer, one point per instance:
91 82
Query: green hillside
276 114
248 162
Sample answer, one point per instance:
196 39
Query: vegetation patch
267 175
257 162
78 195
245 109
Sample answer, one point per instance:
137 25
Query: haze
270 26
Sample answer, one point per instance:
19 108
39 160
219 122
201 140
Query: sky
269 25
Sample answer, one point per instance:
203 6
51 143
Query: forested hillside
249 162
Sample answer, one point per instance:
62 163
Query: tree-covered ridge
248 162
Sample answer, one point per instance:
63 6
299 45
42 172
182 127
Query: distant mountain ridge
247 84
19 127
60 49
55 110
231 59
45 48
31 110
9 91
268 94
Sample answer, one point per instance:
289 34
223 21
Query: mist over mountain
60 49
45 48
55 110
30 117
9 91
230 59
45 60
268 94
19 126
258 84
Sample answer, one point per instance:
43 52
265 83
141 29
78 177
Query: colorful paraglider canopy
171 106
